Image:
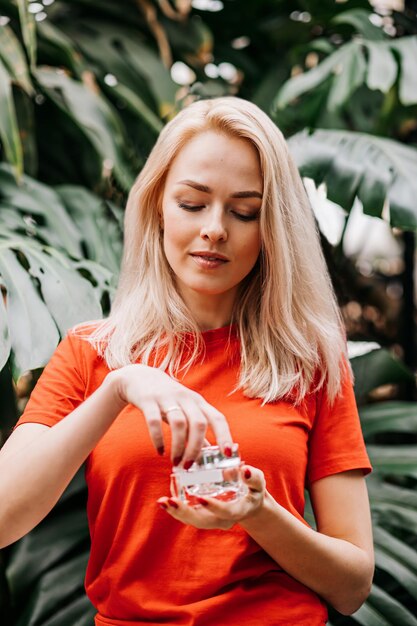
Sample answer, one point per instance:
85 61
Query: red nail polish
173 503
188 464
177 461
228 451
247 474
160 450
202 501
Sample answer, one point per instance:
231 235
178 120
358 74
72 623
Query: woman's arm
37 462
336 561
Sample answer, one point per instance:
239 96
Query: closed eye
246 218
190 207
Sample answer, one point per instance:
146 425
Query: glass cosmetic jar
213 474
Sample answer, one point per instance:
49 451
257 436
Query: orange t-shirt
147 568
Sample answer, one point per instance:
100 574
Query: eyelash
239 216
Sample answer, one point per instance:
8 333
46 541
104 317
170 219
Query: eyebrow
205 189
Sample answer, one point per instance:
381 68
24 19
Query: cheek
251 247
174 240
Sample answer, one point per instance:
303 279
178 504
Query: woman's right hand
188 414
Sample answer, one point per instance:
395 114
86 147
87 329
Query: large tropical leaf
129 59
374 169
14 59
33 334
5 342
394 507
34 209
9 131
93 114
357 63
99 221
382 609
388 417
27 25
46 568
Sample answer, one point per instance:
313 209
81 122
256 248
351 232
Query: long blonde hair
287 316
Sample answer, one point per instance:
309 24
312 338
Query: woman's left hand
212 513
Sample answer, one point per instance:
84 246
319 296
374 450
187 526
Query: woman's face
210 211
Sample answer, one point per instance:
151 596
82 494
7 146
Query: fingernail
188 464
177 461
160 450
173 503
247 474
202 501
163 505
228 451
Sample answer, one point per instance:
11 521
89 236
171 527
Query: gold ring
172 408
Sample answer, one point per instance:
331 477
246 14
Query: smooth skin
210 205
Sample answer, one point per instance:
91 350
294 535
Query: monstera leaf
49 283
380 172
376 64
46 568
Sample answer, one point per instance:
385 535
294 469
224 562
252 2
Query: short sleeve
336 442
60 388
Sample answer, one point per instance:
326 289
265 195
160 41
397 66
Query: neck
210 311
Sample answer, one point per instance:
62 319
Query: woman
225 327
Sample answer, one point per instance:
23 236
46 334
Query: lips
209 256
209 261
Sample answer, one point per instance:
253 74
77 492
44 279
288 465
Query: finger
223 512
152 416
220 427
197 426
197 516
179 430
253 478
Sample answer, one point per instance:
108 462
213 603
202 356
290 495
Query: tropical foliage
85 87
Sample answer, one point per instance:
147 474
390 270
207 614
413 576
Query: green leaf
401 459
27 24
393 507
53 41
137 106
79 612
297 86
33 333
5 342
54 591
407 49
59 282
94 116
382 67
377 368
349 75
42 204
389 417
9 131
46 567
14 59
101 232
396 558
374 169
359 19
387 610
127 57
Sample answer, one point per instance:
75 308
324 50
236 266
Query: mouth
210 256
209 261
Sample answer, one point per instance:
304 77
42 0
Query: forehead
212 156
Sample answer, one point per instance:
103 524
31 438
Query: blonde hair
287 317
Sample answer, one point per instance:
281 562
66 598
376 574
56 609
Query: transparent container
213 474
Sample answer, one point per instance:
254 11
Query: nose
214 227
